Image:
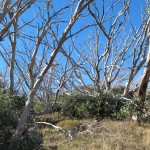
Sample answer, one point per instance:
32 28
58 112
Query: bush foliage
118 90
80 106
87 106
108 106
11 106
73 106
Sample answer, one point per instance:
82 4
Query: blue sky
137 7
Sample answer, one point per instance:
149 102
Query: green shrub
80 106
38 106
12 101
141 109
30 140
110 105
11 106
87 106
131 108
118 90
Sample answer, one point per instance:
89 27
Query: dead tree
141 93
34 85
115 52
10 12
15 9
139 47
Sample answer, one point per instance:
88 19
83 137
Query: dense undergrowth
11 106
93 123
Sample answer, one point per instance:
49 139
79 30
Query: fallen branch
59 128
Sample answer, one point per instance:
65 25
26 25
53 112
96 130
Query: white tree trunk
22 121
13 53
26 111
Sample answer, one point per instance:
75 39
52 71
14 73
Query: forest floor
93 135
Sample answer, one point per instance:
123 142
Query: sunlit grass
105 135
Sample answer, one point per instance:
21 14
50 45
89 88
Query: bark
108 85
144 81
141 93
22 121
126 93
11 75
13 53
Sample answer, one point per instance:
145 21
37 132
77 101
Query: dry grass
105 135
